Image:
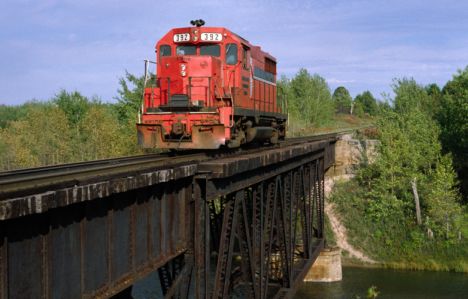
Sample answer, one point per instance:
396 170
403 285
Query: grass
329 234
338 123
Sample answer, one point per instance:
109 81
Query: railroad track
19 182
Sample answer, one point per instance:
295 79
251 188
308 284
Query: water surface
395 284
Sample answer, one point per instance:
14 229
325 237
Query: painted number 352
211 37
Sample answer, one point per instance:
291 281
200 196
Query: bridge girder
250 226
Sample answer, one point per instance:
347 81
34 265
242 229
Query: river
395 284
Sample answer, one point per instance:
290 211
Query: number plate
182 37
211 37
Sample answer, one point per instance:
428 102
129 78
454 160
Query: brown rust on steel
54 179
220 187
230 166
42 202
124 283
292 171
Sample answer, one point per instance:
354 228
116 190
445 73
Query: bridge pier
327 266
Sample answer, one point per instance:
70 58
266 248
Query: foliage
410 96
41 138
410 150
453 120
68 128
73 104
309 100
10 113
365 103
372 292
101 136
342 100
129 97
442 198
379 204
435 98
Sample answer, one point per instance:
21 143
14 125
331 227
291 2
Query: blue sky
86 45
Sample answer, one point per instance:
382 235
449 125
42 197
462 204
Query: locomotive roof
218 29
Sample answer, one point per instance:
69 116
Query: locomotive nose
191 81
201 77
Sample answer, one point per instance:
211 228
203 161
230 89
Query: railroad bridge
247 225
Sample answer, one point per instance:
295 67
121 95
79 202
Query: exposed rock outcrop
350 154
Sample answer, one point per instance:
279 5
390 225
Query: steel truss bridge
247 224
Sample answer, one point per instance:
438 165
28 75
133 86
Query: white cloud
338 81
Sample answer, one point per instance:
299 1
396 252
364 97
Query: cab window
186 50
245 58
211 50
231 54
164 50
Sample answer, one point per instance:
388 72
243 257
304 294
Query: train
211 89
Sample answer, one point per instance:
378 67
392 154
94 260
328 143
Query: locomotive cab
203 93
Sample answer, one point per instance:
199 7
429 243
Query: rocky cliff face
351 153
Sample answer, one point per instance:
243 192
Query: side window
164 50
270 65
245 58
231 54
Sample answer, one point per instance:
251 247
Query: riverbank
371 206
371 244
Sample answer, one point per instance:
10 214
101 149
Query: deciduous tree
309 99
453 119
366 102
342 100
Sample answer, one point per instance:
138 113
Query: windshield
211 50
207 50
186 50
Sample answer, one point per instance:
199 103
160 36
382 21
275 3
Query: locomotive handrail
168 89
231 121
142 106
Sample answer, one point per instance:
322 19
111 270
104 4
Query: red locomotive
212 89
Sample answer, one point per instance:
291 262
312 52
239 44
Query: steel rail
74 165
14 183
17 182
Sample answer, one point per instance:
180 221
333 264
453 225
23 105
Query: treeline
423 134
70 128
310 102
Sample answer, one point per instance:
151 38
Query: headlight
182 73
183 67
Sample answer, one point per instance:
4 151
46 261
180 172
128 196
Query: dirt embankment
342 238
350 153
